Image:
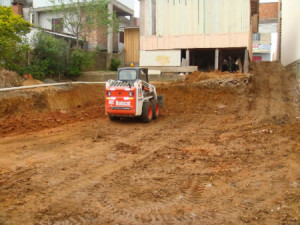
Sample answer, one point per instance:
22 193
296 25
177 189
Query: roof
120 9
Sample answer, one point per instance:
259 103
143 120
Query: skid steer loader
131 95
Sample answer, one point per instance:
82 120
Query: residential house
45 18
265 41
199 33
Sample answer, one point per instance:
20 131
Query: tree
80 17
13 47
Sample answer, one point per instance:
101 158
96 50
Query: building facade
265 41
200 33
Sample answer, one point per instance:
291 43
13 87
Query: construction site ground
225 150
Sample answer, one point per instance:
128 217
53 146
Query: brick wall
268 10
17 8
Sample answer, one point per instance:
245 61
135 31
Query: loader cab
131 74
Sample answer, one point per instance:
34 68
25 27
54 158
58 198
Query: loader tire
147 112
114 118
160 99
156 108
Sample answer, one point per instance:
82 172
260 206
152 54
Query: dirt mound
200 76
9 79
193 98
34 122
274 94
40 108
49 99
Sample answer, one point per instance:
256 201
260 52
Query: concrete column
109 38
110 31
132 21
36 19
142 17
246 61
187 57
216 59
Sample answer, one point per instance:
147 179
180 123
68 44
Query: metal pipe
47 85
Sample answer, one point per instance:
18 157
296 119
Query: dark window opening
122 37
58 25
203 58
183 54
230 59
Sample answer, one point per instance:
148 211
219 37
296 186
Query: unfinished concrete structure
199 33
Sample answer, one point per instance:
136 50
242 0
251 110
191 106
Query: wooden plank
132 45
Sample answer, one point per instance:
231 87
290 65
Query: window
127 75
121 37
143 76
58 25
256 37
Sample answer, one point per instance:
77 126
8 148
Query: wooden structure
132 45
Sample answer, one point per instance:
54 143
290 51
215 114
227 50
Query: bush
114 64
50 55
79 61
37 70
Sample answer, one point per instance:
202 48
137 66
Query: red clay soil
200 76
41 108
214 156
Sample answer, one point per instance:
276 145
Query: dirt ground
224 151
9 79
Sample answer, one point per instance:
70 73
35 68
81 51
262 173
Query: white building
290 43
290 35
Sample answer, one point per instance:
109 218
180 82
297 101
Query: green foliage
50 51
49 56
114 64
52 56
80 60
81 17
13 48
38 70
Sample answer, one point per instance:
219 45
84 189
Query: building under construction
189 34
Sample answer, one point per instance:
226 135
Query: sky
136 8
266 1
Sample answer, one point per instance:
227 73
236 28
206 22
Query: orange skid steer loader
131 95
